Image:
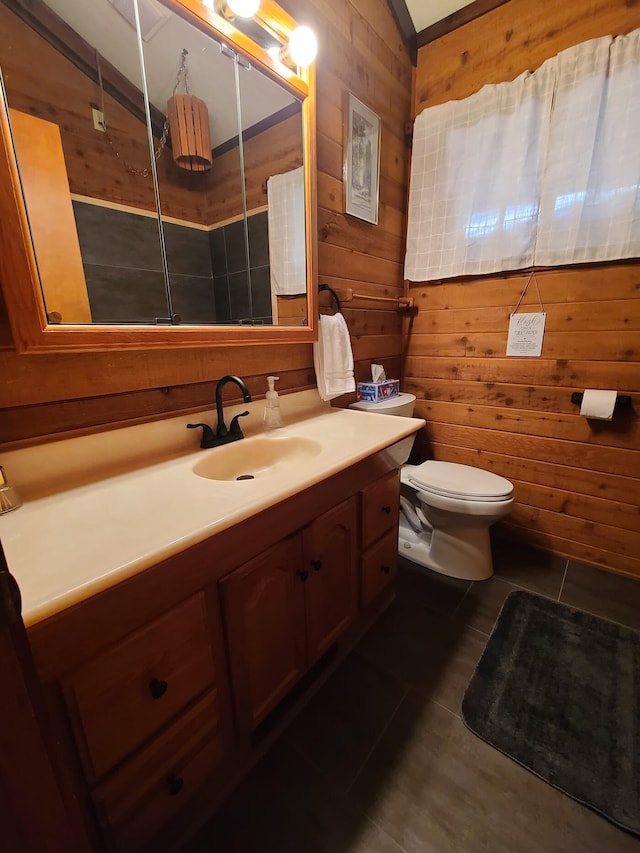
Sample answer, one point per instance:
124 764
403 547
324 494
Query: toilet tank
402 405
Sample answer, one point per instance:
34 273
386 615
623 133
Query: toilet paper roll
598 404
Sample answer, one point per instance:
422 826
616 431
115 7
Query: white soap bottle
272 413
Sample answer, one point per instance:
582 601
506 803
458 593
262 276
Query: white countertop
98 509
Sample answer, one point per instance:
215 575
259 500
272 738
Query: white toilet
446 508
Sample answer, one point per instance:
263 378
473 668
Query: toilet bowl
458 504
446 508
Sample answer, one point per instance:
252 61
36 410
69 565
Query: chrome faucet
222 435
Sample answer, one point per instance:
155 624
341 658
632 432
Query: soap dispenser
272 413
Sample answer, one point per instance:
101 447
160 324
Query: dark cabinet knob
303 574
386 509
386 569
157 688
175 784
316 565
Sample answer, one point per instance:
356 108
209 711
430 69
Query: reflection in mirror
189 78
86 169
275 205
73 84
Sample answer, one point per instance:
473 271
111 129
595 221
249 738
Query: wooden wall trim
457 19
406 27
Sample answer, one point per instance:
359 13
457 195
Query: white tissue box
376 392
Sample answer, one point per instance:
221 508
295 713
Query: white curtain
590 207
476 176
287 245
542 170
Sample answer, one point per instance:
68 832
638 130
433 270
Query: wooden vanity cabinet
285 608
143 679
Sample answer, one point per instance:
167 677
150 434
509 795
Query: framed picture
361 161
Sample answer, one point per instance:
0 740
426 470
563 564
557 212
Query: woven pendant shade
189 128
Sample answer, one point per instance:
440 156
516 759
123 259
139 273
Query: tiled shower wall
208 271
243 291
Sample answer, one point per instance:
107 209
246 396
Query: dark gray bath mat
558 691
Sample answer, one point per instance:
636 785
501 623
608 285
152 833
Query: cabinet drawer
380 508
379 567
127 693
141 796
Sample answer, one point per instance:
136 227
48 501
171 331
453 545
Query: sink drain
246 477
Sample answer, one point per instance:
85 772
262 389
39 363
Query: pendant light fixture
188 120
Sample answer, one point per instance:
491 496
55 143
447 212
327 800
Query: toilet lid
450 479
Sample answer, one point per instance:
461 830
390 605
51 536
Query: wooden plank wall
276 149
576 483
362 52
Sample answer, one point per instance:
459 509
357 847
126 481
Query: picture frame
361 172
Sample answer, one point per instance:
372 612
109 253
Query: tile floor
380 760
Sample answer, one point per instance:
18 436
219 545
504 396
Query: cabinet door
264 612
330 552
380 507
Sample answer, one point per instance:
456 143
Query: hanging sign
526 333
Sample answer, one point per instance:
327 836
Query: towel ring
322 287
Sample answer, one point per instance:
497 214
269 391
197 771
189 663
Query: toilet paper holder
623 401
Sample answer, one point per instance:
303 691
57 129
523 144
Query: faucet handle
208 435
234 427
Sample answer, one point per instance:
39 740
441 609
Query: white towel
333 358
287 244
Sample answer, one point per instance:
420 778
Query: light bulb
303 46
243 8
276 54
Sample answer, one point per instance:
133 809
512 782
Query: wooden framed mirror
105 245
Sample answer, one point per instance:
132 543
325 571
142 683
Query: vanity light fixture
276 53
301 49
231 9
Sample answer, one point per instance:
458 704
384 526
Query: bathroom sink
253 458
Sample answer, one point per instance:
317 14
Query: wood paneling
277 149
457 19
515 37
361 52
576 482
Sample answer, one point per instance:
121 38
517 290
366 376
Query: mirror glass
272 153
229 243
192 82
78 124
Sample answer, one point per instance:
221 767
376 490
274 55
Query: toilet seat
459 482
